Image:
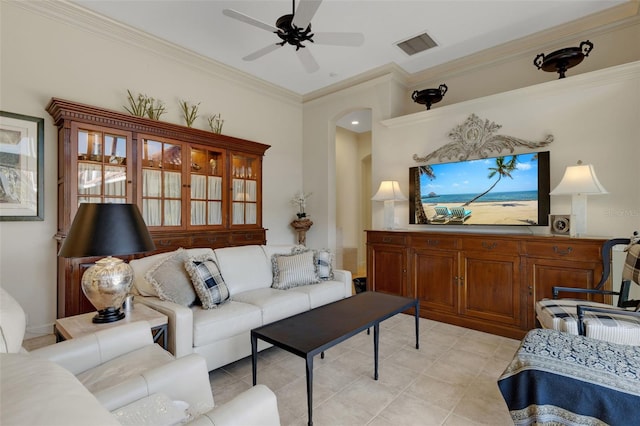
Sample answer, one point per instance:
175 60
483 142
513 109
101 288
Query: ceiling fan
295 29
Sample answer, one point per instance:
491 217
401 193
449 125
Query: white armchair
119 366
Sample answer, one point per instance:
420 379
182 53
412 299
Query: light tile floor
450 380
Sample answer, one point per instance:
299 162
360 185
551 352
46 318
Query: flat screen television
503 190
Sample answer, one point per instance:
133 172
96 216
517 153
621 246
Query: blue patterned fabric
208 282
560 378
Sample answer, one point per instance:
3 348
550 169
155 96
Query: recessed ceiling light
355 122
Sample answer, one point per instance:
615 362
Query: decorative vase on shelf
301 225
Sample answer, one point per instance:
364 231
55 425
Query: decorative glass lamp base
108 315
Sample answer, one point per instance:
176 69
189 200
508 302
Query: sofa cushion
292 270
275 304
142 265
207 281
123 367
230 319
170 279
244 268
271 249
322 293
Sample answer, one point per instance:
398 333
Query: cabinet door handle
489 246
562 252
386 239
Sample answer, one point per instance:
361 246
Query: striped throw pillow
208 282
293 270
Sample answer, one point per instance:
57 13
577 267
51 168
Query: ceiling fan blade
260 53
308 61
305 12
339 39
248 20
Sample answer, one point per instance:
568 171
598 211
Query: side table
78 325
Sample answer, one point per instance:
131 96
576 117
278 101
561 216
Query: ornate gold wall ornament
476 138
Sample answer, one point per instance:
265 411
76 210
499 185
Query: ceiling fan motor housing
291 34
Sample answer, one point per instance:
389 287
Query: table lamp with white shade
107 230
389 192
579 181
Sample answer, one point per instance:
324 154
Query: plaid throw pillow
631 270
323 260
207 281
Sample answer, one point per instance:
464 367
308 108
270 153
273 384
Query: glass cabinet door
244 190
206 183
162 193
103 165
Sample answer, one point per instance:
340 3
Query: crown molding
74 15
605 21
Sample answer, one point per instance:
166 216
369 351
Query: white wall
383 96
593 117
51 49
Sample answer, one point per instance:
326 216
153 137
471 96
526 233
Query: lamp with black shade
107 230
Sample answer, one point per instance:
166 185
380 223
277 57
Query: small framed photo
21 167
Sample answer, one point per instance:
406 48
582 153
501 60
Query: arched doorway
353 189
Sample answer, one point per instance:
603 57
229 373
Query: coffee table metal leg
376 341
310 388
417 309
254 357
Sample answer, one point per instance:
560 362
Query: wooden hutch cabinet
487 282
194 188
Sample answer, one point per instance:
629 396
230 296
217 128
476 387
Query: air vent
417 44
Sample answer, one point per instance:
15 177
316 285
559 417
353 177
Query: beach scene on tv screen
489 191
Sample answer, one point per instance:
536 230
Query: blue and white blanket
557 378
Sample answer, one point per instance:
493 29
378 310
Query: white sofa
222 335
44 387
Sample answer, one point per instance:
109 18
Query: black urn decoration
561 60
429 96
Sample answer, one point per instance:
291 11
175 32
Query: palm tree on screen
502 168
421 216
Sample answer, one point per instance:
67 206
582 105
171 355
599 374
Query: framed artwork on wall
21 167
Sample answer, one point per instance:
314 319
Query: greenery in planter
215 123
189 112
143 105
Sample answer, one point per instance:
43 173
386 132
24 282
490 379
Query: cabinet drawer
247 237
491 245
386 238
216 240
434 242
171 243
563 250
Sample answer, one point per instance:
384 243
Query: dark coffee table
313 332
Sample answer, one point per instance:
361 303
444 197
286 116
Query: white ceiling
460 28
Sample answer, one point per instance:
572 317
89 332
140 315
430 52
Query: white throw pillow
171 281
293 270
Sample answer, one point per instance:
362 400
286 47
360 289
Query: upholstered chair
615 324
122 367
